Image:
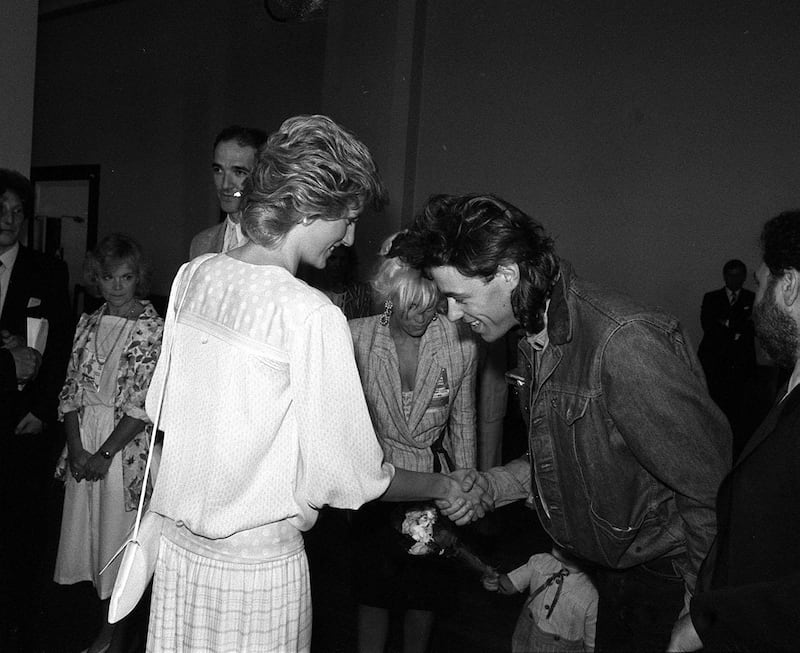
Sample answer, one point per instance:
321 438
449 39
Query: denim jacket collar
559 318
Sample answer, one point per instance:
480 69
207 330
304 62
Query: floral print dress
103 388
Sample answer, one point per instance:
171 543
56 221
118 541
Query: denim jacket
628 448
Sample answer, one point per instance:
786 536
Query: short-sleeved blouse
264 416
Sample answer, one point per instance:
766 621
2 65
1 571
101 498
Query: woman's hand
77 462
96 467
469 497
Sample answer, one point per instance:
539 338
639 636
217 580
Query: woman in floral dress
102 405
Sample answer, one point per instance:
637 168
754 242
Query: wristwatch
106 454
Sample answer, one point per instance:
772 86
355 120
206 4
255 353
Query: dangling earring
387 312
435 317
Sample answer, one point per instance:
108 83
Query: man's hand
463 506
471 480
27 362
684 637
11 341
29 425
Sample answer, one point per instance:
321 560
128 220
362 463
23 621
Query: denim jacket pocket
570 408
600 521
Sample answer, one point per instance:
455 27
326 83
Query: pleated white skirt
211 597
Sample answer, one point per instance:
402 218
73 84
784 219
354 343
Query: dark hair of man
11 180
734 264
242 136
111 252
780 242
476 234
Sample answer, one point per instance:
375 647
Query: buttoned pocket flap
570 408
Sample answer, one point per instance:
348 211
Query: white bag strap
156 422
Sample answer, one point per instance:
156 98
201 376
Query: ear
789 287
509 274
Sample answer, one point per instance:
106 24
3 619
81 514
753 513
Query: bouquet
429 534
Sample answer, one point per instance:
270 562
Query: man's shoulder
714 294
203 242
615 306
35 260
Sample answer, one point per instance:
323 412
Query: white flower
418 524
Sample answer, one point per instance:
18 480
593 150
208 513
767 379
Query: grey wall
18 54
142 87
651 138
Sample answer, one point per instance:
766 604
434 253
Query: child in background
561 613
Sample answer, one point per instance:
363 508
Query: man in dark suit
32 286
17 365
727 351
748 588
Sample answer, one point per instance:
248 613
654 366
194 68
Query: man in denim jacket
626 449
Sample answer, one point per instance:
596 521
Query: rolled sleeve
511 482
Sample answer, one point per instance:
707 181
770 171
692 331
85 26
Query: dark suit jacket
725 348
748 596
38 288
8 387
8 372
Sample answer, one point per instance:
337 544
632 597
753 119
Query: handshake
469 497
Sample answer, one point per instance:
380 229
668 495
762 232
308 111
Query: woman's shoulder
149 315
361 327
88 320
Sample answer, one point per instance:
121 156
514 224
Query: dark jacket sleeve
8 373
762 616
43 392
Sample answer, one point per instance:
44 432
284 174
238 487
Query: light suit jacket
208 241
444 392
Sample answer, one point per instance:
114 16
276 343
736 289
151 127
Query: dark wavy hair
476 234
17 183
112 251
780 242
242 136
311 168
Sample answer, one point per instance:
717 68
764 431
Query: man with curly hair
626 450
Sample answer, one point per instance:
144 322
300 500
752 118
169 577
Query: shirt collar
9 257
540 340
